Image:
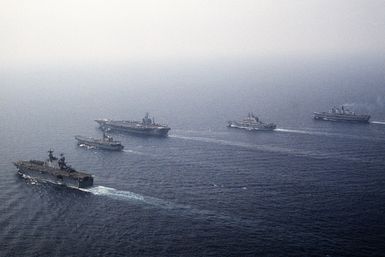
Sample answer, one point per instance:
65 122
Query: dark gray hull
99 144
133 128
341 117
55 176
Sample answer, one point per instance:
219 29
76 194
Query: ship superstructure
146 127
341 114
252 123
55 171
105 143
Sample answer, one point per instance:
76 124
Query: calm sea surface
311 188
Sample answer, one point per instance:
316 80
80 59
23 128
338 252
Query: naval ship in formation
55 171
106 143
252 123
343 114
146 127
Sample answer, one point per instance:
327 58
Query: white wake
113 193
306 132
127 195
133 152
378 122
274 149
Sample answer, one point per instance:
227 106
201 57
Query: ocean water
310 188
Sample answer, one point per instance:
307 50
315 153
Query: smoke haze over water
272 88
50 33
219 56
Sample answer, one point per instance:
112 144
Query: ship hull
53 176
138 130
103 146
341 118
252 128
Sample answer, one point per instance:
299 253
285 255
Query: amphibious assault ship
106 143
343 114
252 123
146 127
55 171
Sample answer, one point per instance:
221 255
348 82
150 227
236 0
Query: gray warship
55 171
252 123
343 114
105 143
146 127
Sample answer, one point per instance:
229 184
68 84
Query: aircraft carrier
341 114
146 127
55 171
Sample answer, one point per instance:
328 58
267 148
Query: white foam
316 133
137 152
113 193
159 203
300 131
378 122
127 195
132 151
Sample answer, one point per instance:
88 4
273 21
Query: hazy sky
87 31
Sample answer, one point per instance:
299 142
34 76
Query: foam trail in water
302 132
216 141
127 195
133 151
139 153
274 149
113 193
183 208
378 122
328 134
